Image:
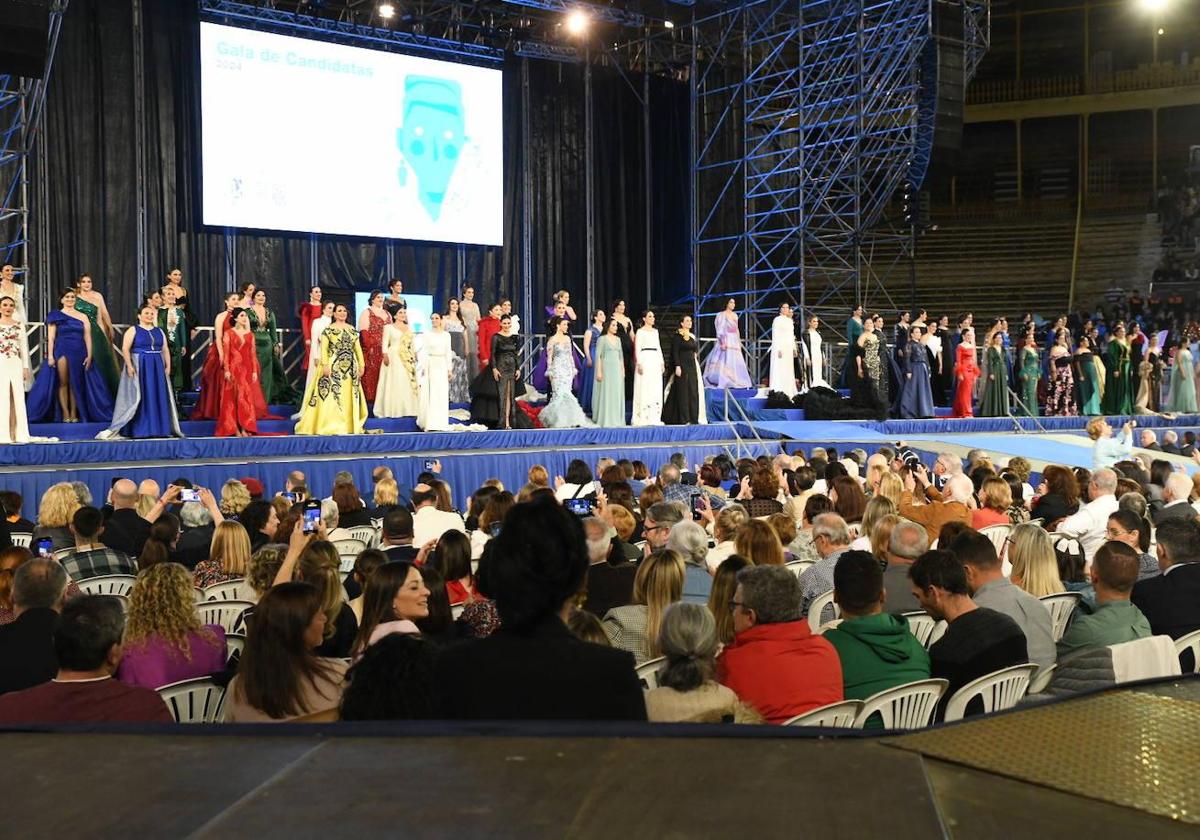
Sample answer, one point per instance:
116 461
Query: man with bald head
1090 524
952 504
126 531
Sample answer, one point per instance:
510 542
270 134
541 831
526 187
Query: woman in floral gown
1061 400
370 327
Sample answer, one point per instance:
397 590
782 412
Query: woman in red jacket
309 312
966 371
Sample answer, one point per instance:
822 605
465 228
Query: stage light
387 11
1154 5
669 24
1161 30
577 22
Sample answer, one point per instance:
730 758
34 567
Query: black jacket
194 545
542 673
609 585
126 531
27 655
1171 602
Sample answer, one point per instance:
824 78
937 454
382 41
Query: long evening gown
104 358
994 402
1181 398
937 378
1029 371
460 378
335 404
966 371
1156 377
433 414
372 352
608 394
145 401
563 411
14 361
1091 383
648 383
211 378
726 364
468 312
275 387
494 401
1061 400
93 400
242 401
854 329
814 359
488 329
871 390
309 312
916 396
587 372
684 402
1117 393
176 326
396 394
625 336
782 376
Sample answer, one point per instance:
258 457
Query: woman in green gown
104 357
1118 398
608 390
1029 370
176 323
269 348
995 379
1090 377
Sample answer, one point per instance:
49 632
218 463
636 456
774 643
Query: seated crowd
536 606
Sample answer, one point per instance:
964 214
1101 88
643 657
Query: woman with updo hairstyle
757 542
234 497
452 558
848 499
729 520
264 566
160 545
688 691
164 640
995 498
1018 512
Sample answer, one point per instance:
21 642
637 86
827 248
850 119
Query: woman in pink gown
726 364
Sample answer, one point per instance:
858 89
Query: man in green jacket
876 648
1115 620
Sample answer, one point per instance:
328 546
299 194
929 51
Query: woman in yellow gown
334 402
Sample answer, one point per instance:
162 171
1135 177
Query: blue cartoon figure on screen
431 137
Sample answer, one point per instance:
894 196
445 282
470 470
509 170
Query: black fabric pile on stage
826 404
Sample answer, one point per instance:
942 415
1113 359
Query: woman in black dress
494 391
682 405
625 336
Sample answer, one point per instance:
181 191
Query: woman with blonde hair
234 497
995 498
877 508
386 497
164 639
1034 563
725 529
758 543
538 475
785 529
228 556
320 565
58 506
264 565
890 487
881 535
657 585
724 585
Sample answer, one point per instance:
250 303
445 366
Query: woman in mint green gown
608 390
1029 370
1181 398
104 358
995 380
1090 377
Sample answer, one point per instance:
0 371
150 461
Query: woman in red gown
309 312
966 371
370 326
241 397
211 375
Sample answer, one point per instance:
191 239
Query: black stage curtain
89 144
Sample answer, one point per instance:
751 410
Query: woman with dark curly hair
392 681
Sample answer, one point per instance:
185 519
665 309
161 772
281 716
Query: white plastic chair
648 672
827 626
107 584
799 567
21 539
921 625
1061 605
193 701
998 690
350 546
835 715
231 590
939 630
997 534
1042 679
908 706
818 606
365 533
227 614
1190 642
235 643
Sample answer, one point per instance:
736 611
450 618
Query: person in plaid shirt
89 558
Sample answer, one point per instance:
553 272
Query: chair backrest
997 534
366 533
998 690
350 546
235 643
1062 606
828 625
921 625
21 539
818 606
231 590
1145 659
939 630
836 715
908 706
228 614
193 701
798 567
107 584
1190 642
648 672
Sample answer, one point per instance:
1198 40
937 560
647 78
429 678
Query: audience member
260 522
690 541
1058 496
398 536
721 597
995 498
725 530
831 537
909 541
661 517
452 559
125 530
228 556
657 584
952 504
1125 526
429 522
393 680
1034 563
27 644
394 599
10 503
1176 497
758 543
609 581
54 516
587 628
1090 522
11 559
1171 601
89 558
1115 619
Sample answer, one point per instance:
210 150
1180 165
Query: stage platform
1119 764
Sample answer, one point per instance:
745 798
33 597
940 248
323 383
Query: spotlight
1161 30
669 24
1154 5
577 22
387 11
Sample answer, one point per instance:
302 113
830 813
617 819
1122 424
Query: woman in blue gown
916 395
591 340
69 388
145 400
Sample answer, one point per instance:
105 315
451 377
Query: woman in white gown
648 375
14 373
783 353
813 358
433 411
318 326
9 287
396 395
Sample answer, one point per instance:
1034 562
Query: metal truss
806 125
22 102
